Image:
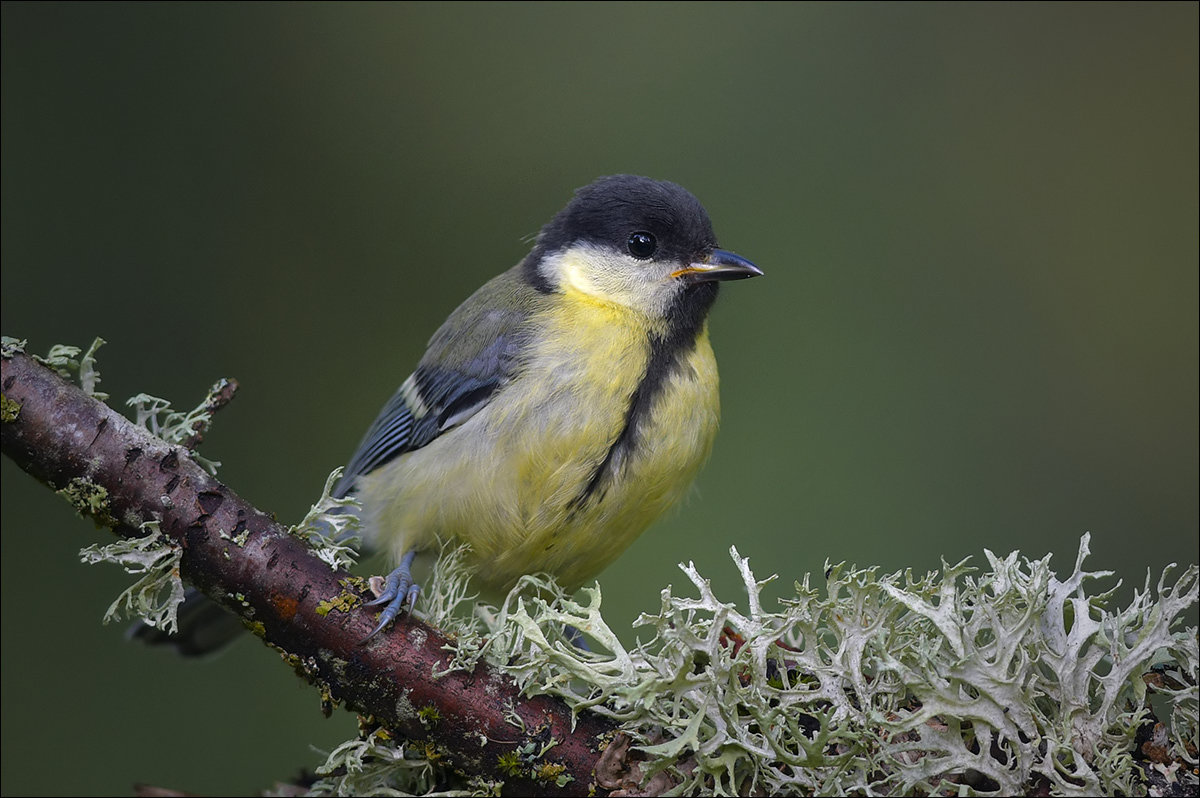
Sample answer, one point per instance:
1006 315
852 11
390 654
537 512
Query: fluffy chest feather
566 465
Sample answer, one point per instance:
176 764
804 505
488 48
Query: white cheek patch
577 270
611 277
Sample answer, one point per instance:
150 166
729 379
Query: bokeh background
978 327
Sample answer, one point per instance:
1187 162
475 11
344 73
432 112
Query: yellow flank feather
506 481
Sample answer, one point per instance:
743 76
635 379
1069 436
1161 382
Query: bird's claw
398 590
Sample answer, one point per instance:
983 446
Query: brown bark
61 435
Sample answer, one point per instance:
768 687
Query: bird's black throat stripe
666 352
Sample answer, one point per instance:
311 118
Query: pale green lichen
63 359
509 764
155 598
10 346
345 601
331 527
429 716
238 540
173 426
88 499
68 362
375 765
985 683
89 375
150 412
10 409
992 682
155 415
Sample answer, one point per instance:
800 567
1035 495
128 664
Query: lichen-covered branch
124 477
1008 678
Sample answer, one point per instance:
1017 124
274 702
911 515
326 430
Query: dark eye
642 245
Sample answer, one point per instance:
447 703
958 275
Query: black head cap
610 209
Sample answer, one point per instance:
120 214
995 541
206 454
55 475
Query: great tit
560 410
564 406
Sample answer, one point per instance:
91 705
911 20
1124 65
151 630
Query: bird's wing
473 354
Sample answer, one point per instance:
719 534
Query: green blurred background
978 326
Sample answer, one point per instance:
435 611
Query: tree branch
61 436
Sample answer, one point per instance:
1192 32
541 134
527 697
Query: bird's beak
719 265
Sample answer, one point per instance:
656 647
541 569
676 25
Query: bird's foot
399 589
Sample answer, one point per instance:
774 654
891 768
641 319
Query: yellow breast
509 480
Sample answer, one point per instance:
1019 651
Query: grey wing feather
465 365
388 436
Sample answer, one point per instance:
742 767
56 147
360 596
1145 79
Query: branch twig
60 435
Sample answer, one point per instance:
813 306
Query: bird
557 412
563 407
